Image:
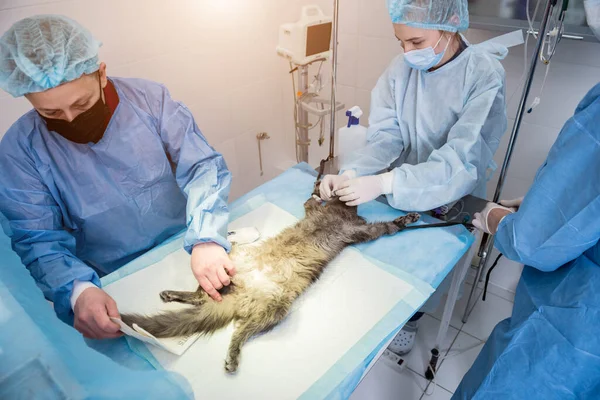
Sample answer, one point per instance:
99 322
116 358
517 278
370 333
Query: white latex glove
514 204
331 183
362 190
488 220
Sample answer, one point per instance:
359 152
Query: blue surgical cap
445 15
43 52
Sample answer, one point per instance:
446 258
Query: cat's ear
317 188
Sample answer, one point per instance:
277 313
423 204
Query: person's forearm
208 191
496 216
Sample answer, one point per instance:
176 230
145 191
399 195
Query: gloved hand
362 190
212 268
491 216
514 204
331 183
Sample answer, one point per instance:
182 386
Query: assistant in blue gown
550 347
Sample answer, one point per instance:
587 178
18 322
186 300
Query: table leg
458 274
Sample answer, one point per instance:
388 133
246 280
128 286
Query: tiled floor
385 383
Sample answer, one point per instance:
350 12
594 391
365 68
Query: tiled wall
217 56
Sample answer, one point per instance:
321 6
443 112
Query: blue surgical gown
550 347
437 130
43 358
79 211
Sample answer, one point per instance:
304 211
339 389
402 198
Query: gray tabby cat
270 276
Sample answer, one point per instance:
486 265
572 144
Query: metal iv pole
302 125
328 166
487 243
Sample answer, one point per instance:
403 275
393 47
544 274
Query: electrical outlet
393 360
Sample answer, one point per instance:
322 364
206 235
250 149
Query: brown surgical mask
87 127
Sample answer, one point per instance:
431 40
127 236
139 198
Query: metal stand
330 162
458 275
303 140
303 125
334 58
487 243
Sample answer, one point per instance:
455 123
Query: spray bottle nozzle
354 115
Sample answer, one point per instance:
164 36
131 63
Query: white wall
217 56
367 45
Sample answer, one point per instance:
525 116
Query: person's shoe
405 339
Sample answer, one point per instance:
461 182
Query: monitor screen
318 39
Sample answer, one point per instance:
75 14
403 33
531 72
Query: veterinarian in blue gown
437 116
550 347
101 171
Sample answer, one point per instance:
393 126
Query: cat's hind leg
196 298
258 322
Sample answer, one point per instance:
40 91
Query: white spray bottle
351 137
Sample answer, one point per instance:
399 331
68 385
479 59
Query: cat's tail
205 319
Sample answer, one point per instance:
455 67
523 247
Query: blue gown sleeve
454 170
560 217
384 140
201 173
37 233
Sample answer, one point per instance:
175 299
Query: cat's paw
231 365
407 219
166 297
411 218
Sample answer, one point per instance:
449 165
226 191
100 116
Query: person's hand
93 311
488 220
331 183
358 191
212 268
514 204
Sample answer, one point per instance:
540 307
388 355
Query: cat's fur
269 277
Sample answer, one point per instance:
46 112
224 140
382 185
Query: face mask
87 127
425 59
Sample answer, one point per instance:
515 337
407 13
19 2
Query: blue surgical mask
425 59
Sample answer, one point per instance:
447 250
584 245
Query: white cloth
351 298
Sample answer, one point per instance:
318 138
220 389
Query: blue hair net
43 52
445 15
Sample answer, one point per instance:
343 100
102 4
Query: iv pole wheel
431 368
